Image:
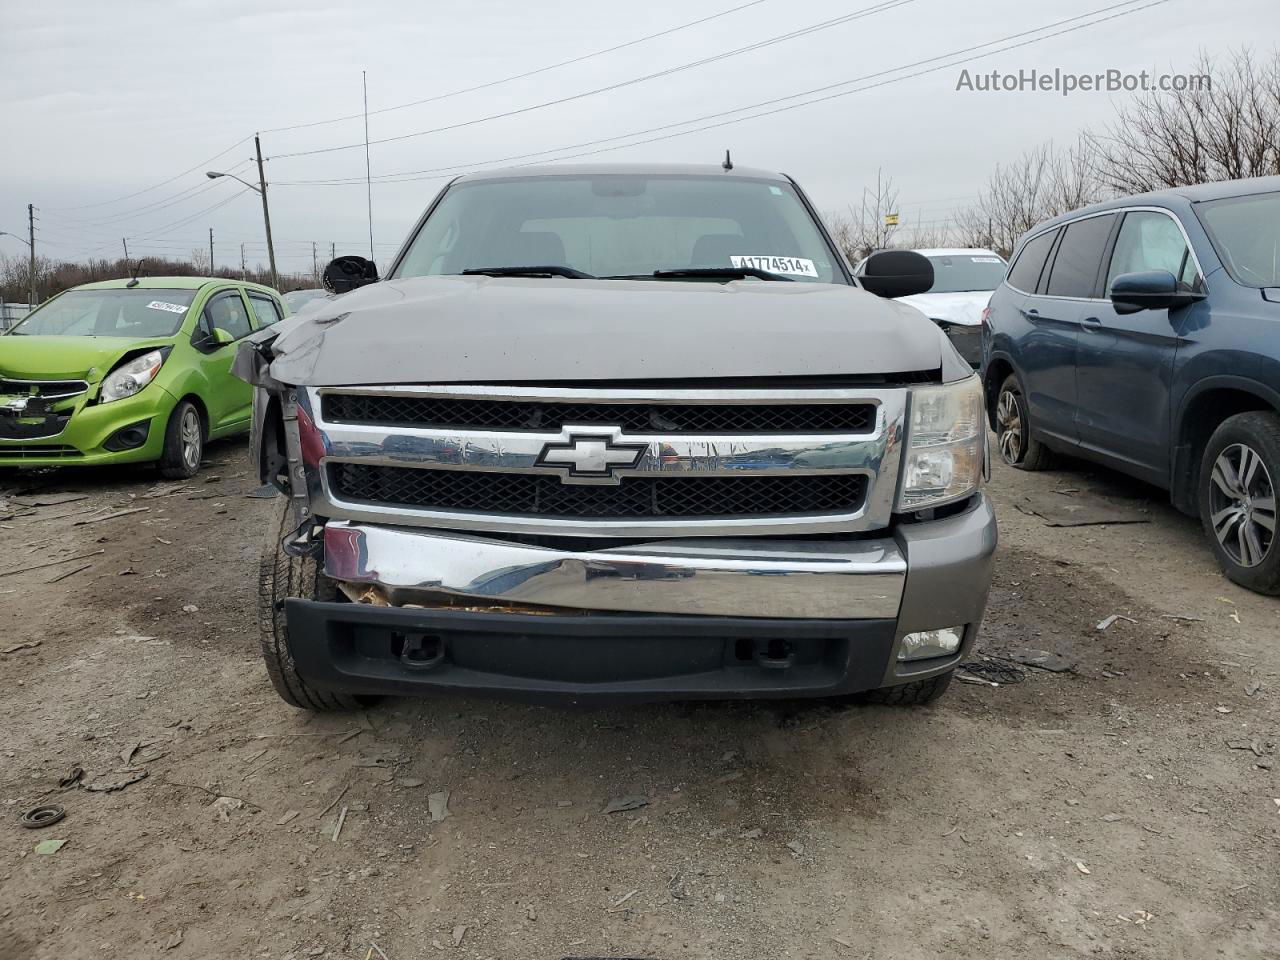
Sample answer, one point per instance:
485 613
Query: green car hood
66 358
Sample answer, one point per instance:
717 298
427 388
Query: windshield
298 297
615 225
1246 233
966 272
140 313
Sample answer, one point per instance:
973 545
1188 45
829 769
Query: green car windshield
136 314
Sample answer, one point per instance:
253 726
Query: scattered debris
38 818
225 806
112 516
49 847
796 847
190 608
1223 710
1252 688
334 802
175 940
754 834
625 803
985 671
342 818
1082 868
459 933
1108 621
1175 616
438 805
1079 514
69 573
286 817
843 942
624 898
1040 659
28 645
1196 808
74 776
267 491
408 782
126 755
1255 745
1140 918
50 563
111 786
1111 817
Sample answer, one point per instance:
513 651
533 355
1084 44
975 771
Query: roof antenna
728 163
133 279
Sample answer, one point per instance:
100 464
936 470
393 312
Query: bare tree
200 261
864 228
1222 130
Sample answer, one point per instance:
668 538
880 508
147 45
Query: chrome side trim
876 455
827 579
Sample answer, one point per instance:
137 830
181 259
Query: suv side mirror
896 273
1150 290
347 273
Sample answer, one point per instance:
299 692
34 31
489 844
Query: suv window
1075 268
226 310
1025 272
1151 241
265 309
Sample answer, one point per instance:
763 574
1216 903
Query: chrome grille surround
874 454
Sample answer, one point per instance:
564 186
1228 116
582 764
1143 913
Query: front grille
36 451
55 389
462 413
542 495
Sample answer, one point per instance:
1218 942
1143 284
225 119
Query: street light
261 190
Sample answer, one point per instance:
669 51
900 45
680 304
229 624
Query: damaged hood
964 308
65 358
474 329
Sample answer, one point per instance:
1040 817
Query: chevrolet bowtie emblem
592 456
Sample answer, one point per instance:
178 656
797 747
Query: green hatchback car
129 371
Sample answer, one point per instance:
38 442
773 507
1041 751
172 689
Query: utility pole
266 213
333 250
31 234
125 241
315 264
243 276
211 251
368 179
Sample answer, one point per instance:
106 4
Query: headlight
946 442
128 378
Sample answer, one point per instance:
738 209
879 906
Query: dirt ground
1125 808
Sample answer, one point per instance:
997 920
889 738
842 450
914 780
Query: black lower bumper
365 649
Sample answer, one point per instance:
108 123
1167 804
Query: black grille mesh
544 495
464 413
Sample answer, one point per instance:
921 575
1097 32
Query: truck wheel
1238 477
914 694
281 576
183 443
1013 429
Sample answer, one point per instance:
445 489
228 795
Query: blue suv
1144 333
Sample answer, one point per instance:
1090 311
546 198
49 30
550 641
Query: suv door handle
1090 323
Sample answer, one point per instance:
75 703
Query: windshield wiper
544 271
717 273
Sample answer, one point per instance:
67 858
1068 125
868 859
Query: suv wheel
280 577
1013 429
1238 477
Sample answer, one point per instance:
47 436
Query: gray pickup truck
619 433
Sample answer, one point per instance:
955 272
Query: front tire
281 576
1238 477
1018 448
183 443
914 694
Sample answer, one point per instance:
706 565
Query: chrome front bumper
757 577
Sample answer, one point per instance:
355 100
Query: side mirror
1150 290
896 273
221 338
347 273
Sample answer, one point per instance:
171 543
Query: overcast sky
103 99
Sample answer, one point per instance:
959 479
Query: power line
156 186
526 74
881 7
155 205
438 173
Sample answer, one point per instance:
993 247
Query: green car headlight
131 376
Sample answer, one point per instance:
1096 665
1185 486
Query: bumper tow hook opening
774 654
419 651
